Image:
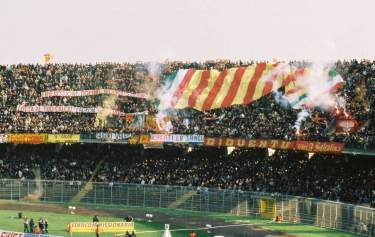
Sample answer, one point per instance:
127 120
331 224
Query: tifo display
288 101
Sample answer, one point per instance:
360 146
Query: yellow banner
267 208
27 138
63 138
134 139
113 227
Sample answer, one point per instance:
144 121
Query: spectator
42 225
23 84
192 234
32 225
97 230
26 225
287 172
46 226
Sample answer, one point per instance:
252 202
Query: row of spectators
265 118
347 178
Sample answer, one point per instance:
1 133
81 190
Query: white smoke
148 80
316 86
154 70
281 99
341 102
301 117
165 96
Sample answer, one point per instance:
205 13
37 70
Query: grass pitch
58 223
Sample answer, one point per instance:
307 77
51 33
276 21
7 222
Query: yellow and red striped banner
211 89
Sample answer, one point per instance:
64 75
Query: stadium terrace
281 142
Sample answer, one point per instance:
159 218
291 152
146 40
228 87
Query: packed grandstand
23 85
122 103
346 178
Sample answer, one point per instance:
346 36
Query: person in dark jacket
42 225
128 218
32 225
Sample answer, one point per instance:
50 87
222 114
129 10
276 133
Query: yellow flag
47 57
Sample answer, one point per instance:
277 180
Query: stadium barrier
326 214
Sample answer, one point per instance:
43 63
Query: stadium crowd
347 178
264 118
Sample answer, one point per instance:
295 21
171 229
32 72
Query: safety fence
326 214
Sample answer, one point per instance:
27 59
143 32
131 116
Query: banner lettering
310 146
319 147
64 93
109 137
113 227
63 138
73 109
27 138
177 138
67 109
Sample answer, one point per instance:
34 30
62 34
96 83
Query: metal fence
326 214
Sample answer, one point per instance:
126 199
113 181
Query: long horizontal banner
27 138
4 233
145 139
65 93
318 147
67 109
113 227
109 137
63 138
176 138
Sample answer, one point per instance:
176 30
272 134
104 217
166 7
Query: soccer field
58 222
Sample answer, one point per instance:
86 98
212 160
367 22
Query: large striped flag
211 89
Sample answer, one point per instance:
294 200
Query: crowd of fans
345 178
348 178
264 118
